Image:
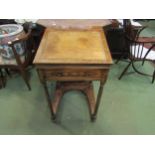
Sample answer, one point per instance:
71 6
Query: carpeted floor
127 107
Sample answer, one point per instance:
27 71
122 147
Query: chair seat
135 23
136 54
4 61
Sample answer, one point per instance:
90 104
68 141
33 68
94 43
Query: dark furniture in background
35 31
116 38
116 41
7 21
20 62
140 48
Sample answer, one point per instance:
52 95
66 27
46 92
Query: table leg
49 100
86 88
83 86
99 95
43 82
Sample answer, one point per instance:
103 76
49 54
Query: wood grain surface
73 47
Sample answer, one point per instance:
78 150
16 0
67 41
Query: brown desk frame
77 73
81 79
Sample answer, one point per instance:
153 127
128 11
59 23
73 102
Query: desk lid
73 47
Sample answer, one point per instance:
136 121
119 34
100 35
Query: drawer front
74 74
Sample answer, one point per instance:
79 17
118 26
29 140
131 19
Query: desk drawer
74 74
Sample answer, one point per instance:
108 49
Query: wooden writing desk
73 58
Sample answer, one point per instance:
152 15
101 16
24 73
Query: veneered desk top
73 47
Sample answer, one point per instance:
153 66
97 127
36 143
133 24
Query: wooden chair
20 62
131 29
139 49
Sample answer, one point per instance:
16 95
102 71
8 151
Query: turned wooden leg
57 98
99 95
24 75
89 92
86 88
61 87
49 100
43 82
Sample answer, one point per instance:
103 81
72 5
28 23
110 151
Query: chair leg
7 71
124 71
124 53
119 59
2 79
153 78
23 73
